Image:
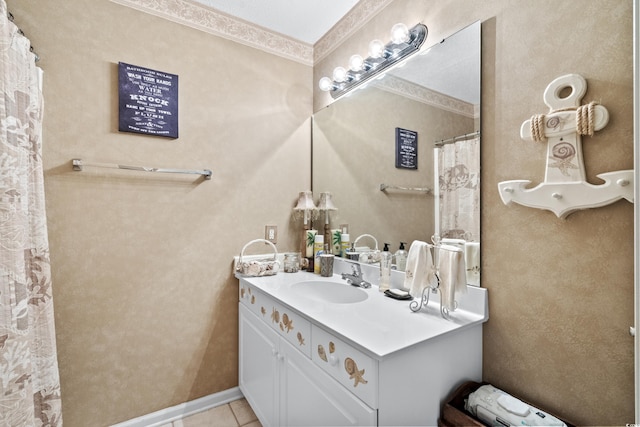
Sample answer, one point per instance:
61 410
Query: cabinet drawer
291 326
254 300
287 323
350 367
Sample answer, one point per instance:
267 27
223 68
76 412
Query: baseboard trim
167 415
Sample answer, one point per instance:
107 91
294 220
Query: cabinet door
258 375
310 397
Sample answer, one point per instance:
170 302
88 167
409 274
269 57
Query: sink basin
331 292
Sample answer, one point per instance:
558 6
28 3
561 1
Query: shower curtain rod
31 49
456 138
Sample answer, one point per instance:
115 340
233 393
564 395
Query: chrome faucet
355 278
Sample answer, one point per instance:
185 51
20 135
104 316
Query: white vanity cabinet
280 381
373 363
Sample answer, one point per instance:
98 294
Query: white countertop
379 325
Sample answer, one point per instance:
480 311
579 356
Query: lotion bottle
401 258
344 244
385 269
318 247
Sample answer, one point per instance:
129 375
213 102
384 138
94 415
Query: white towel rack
416 305
79 164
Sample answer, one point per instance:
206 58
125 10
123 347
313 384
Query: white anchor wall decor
565 189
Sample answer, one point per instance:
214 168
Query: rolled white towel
419 273
472 260
453 277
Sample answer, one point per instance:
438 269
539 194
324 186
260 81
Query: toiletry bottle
401 258
352 254
385 269
344 244
318 247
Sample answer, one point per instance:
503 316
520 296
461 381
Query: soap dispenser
401 258
385 269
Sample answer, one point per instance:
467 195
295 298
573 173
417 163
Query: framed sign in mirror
406 149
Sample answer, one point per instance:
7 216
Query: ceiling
303 20
307 21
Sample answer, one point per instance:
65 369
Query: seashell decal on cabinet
322 353
285 323
350 365
354 374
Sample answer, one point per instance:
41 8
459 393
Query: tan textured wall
146 305
560 291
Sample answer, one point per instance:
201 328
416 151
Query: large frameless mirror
359 141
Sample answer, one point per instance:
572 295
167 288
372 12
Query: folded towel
420 273
472 260
453 275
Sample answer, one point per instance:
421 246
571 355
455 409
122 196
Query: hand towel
420 273
453 275
472 260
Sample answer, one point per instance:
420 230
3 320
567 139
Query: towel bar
385 187
78 165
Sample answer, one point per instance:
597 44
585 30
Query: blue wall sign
148 101
406 149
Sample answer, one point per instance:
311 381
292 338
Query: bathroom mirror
436 96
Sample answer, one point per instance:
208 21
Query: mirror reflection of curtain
29 378
459 185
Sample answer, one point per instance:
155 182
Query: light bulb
399 34
339 74
356 63
376 48
325 84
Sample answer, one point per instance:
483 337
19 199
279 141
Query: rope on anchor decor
584 121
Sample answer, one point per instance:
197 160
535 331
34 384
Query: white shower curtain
29 379
459 185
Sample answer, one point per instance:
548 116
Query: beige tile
255 423
178 423
243 412
222 416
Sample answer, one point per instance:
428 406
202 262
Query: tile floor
235 414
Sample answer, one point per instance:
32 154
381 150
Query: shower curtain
459 185
29 379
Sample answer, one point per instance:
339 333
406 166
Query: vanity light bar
404 42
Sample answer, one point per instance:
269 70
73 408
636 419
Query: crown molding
357 17
212 21
220 24
426 96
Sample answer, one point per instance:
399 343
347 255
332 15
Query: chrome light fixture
404 42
